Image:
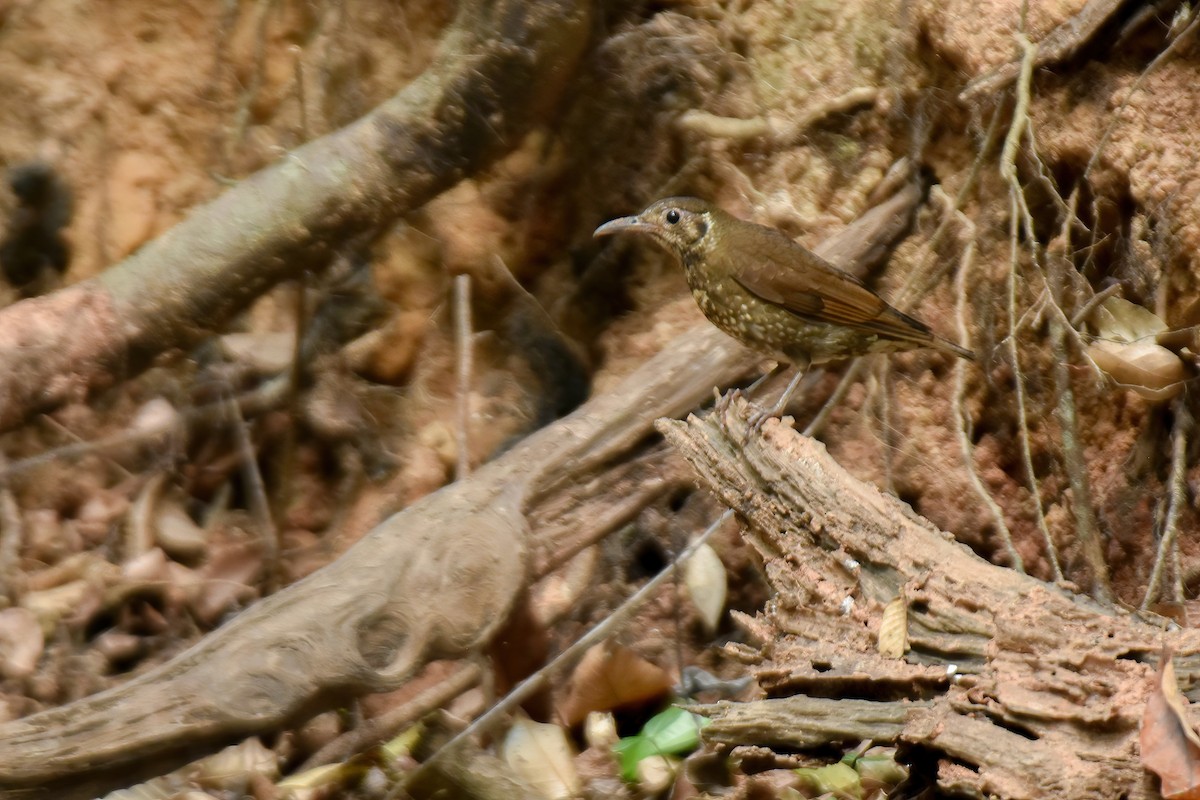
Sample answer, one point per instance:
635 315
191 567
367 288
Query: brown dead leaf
229 575
1170 746
608 677
1128 351
21 642
893 629
541 754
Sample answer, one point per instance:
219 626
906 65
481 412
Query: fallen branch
502 64
1022 690
433 581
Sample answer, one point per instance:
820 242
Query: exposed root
462 345
964 428
1176 497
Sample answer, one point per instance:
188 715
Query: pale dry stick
265 397
12 534
1008 171
1086 528
241 117
1074 460
256 495
1085 311
210 93
47 419
853 373
462 344
965 426
883 410
1177 571
377 730
601 631
298 76
788 135
1177 496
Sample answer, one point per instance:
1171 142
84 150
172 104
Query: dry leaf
655 774
540 754
265 353
706 581
1150 370
1128 352
893 629
232 768
51 605
21 642
176 533
1120 320
1170 747
600 729
155 415
559 593
608 677
229 575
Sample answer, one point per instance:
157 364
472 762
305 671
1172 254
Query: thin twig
853 373
965 426
256 496
380 728
1176 494
241 118
1085 311
12 534
1086 531
298 71
536 681
462 344
1008 171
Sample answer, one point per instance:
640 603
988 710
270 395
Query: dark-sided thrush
774 295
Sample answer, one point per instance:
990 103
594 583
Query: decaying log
1024 689
433 581
502 64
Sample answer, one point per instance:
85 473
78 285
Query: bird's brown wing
779 271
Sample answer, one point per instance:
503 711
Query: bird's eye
672 216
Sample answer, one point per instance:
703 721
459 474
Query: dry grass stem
1176 497
462 345
256 496
964 428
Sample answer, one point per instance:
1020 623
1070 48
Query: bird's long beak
623 224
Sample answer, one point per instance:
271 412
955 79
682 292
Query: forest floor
1056 235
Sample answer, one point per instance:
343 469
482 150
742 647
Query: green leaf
672 732
838 779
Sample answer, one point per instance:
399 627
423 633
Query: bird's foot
759 417
725 401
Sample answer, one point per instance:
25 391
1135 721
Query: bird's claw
726 400
758 418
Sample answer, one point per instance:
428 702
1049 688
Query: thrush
774 295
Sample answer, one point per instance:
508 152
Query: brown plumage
772 294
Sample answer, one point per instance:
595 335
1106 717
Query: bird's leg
761 415
723 402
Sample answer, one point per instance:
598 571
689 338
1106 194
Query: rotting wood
1024 689
365 623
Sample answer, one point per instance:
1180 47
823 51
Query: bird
775 295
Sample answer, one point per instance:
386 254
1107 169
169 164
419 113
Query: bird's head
684 225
